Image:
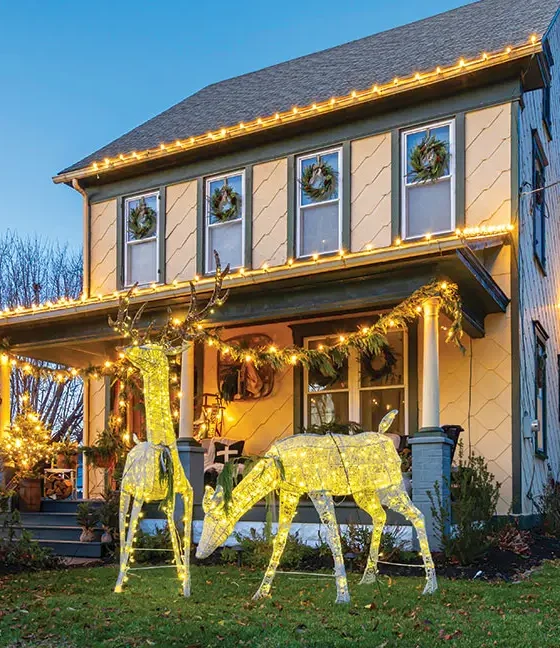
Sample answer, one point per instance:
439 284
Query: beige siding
488 166
262 421
370 215
96 414
103 255
180 231
270 213
476 387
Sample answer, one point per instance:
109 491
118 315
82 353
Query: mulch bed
496 564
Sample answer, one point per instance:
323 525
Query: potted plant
66 451
107 449
109 516
87 517
26 445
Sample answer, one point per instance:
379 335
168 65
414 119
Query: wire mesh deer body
153 470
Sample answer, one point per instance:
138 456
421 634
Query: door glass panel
324 408
386 368
375 403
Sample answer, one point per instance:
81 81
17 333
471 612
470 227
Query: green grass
76 608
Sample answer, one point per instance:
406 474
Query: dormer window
225 220
428 180
141 227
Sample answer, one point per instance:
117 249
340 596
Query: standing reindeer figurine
364 465
153 471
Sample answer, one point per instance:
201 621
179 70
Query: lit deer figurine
364 465
153 471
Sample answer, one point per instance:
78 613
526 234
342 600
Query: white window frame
208 252
126 243
355 388
404 173
300 208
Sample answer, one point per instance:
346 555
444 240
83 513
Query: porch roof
79 335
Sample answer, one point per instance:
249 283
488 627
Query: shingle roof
487 25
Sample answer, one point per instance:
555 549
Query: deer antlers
174 332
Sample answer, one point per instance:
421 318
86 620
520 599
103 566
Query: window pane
236 183
319 229
374 404
385 369
324 408
332 160
142 263
141 214
226 239
412 140
428 208
316 382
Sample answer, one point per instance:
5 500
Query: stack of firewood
57 487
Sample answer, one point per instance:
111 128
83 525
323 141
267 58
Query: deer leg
178 558
324 504
288 507
187 524
396 498
132 528
369 501
124 506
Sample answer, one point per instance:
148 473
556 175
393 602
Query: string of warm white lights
265 271
297 113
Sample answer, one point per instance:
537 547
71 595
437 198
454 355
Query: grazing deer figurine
364 465
153 471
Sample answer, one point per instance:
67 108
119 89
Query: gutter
86 237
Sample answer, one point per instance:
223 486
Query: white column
186 403
430 378
5 372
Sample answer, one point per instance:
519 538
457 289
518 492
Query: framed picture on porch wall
242 380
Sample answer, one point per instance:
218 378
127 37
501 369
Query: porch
430 382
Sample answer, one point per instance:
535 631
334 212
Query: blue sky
76 75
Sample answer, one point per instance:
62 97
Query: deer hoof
431 582
368 578
260 594
343 598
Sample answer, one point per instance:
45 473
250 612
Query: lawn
76 608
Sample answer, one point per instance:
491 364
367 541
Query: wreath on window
429 159
319 180
225 203
142 220
380 366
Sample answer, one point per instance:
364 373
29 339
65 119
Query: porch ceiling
80 337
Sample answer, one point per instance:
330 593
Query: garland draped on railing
325 359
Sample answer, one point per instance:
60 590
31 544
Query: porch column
5 373
186 403
431 449
430 378
191 453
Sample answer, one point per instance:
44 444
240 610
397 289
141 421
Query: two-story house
227 168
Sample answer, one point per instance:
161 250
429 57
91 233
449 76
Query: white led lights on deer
364 465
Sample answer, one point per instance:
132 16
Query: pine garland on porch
326 359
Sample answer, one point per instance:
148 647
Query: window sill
422 237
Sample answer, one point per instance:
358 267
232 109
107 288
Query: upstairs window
141 249
538 202
225 216
319 206
428 180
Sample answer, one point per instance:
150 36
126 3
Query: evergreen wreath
225 203
319 180
386 369
428 159
142 220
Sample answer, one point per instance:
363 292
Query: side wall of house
103 251
95 415
539 292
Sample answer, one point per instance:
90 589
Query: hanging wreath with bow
429 159
142 220
380 366
319 180
225 203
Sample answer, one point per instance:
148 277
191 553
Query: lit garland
325 358
299 113
365 465
264 273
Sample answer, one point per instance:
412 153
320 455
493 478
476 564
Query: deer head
174 336
218 524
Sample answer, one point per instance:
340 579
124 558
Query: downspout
85 292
